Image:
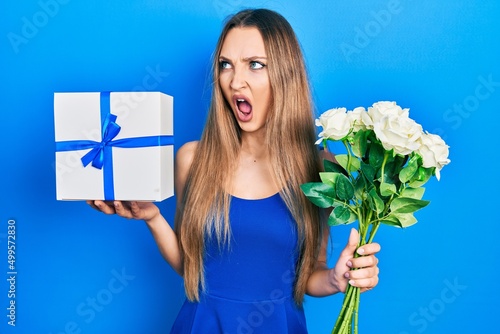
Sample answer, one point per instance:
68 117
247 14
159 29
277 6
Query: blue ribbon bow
101 152
110 129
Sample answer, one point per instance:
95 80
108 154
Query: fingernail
349 263
346 275
116 203
351 282
361 251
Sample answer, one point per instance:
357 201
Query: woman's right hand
131 210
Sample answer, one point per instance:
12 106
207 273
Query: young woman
247 242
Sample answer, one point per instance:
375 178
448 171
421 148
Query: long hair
290 136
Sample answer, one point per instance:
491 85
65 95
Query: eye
255 65
223 65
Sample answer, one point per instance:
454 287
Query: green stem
349 157
382 173
360 221
346 324
356 310
345 313
366 223
364 215
373 231
348 319
342 312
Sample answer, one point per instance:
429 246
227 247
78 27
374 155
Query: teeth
240 100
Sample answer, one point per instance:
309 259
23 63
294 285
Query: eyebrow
246 58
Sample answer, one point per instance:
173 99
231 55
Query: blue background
83 272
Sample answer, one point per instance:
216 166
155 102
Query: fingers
368 249
352 243
364 270
135 210
364 278
353 237
123 209
365 283
126 209
362 274
363 262
102 206
92 205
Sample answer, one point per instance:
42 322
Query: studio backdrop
68 269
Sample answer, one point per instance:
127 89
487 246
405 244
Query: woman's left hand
366 274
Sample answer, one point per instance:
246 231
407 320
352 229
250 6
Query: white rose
359 119
399 133
384 108
434 152
336 125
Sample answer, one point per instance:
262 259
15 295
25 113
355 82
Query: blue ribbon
101 152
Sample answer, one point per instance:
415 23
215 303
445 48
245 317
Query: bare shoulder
185 154
183 160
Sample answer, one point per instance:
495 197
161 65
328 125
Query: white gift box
134 162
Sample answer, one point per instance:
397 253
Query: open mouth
243 106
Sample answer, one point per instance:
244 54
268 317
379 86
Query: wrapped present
114 146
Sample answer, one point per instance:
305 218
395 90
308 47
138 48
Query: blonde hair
290 137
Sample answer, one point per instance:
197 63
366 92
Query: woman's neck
253 146
253 177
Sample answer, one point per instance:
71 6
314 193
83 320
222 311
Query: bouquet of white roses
378 181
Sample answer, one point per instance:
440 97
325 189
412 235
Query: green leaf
328 178
344 188
352 217
340 215
407 219
421 177
389 168
399 163
409 170
387 189
407 205
342 160
416 193
368 172
320 194
333 167
400 220
376 155
359 144
391 220
359 187
376 203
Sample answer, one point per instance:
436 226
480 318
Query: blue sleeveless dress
250 283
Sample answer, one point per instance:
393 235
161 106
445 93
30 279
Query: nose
238 79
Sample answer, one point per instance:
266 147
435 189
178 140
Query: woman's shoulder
183 160
185 154
188 148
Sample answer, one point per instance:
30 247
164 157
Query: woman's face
244 79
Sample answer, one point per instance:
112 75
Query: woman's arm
325 281
163 234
